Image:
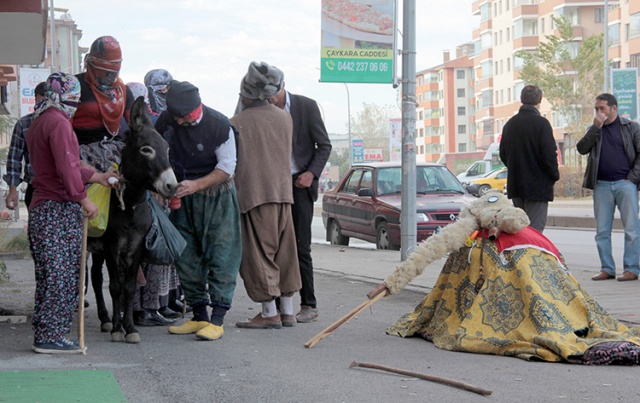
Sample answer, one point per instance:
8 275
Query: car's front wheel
335 235
383 241
484 189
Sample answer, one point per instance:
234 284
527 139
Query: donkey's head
145 157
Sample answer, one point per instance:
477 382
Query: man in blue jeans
613 173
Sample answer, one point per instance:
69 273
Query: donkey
145 167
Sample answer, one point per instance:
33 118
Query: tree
372 125
570 74
341 160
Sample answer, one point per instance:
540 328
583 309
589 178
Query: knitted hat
262 81
182 98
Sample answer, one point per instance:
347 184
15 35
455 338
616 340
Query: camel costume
505 290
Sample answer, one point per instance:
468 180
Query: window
460 92
367 180
420 115
508 95
485 40
419 80
508 64
495 39
460 74
352 185
462 129
614 34
462 111
599 14
525 27
634 26
462 147
542 25
508 34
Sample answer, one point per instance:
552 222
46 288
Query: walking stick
437 379
374 296
83 276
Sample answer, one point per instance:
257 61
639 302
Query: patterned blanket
529 307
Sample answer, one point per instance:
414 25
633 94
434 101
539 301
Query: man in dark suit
311 150
529 151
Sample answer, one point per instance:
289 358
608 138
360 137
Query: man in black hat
203 157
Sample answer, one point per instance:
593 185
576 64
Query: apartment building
624 34
509 26
445 111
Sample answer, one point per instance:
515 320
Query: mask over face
104 61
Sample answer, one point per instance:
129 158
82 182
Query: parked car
493 180
366 203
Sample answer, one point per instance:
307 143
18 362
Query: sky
210 43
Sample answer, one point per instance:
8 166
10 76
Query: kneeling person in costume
507 291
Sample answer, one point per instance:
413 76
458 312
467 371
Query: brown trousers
269 265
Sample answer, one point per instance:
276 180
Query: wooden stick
437 379
326 332
83 277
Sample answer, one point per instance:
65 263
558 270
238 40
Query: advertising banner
357 151
27 81
624 84
357 41
373 155
395 139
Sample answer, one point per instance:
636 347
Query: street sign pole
408 230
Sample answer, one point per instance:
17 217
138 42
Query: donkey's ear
139 115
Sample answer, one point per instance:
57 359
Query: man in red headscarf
105 103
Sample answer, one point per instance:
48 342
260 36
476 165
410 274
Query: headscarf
183 99
261 82
62 91
139 90
157 82
103 67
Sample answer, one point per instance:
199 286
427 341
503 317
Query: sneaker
210 332
188 327
62 346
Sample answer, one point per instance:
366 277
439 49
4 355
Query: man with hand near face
613 173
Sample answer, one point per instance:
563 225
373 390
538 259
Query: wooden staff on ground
374 296
437 379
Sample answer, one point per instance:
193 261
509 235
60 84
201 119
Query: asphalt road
273 365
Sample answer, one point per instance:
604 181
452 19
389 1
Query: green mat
60 386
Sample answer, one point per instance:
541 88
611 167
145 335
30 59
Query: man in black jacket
529 151
311 150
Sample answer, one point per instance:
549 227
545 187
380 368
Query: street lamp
349 124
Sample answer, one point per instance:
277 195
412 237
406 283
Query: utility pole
349 113
408 229
606 46
54 63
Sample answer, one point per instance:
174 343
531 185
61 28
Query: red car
366 203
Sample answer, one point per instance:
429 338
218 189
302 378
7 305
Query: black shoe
153 319
169 313
177 306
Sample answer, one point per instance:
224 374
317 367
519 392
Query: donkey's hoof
106 327
132 338
117 336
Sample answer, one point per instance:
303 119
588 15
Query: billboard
28 79
358 38
624 86
373 155
357 151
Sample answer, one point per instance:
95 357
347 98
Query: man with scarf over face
203 157
102 116
269 259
